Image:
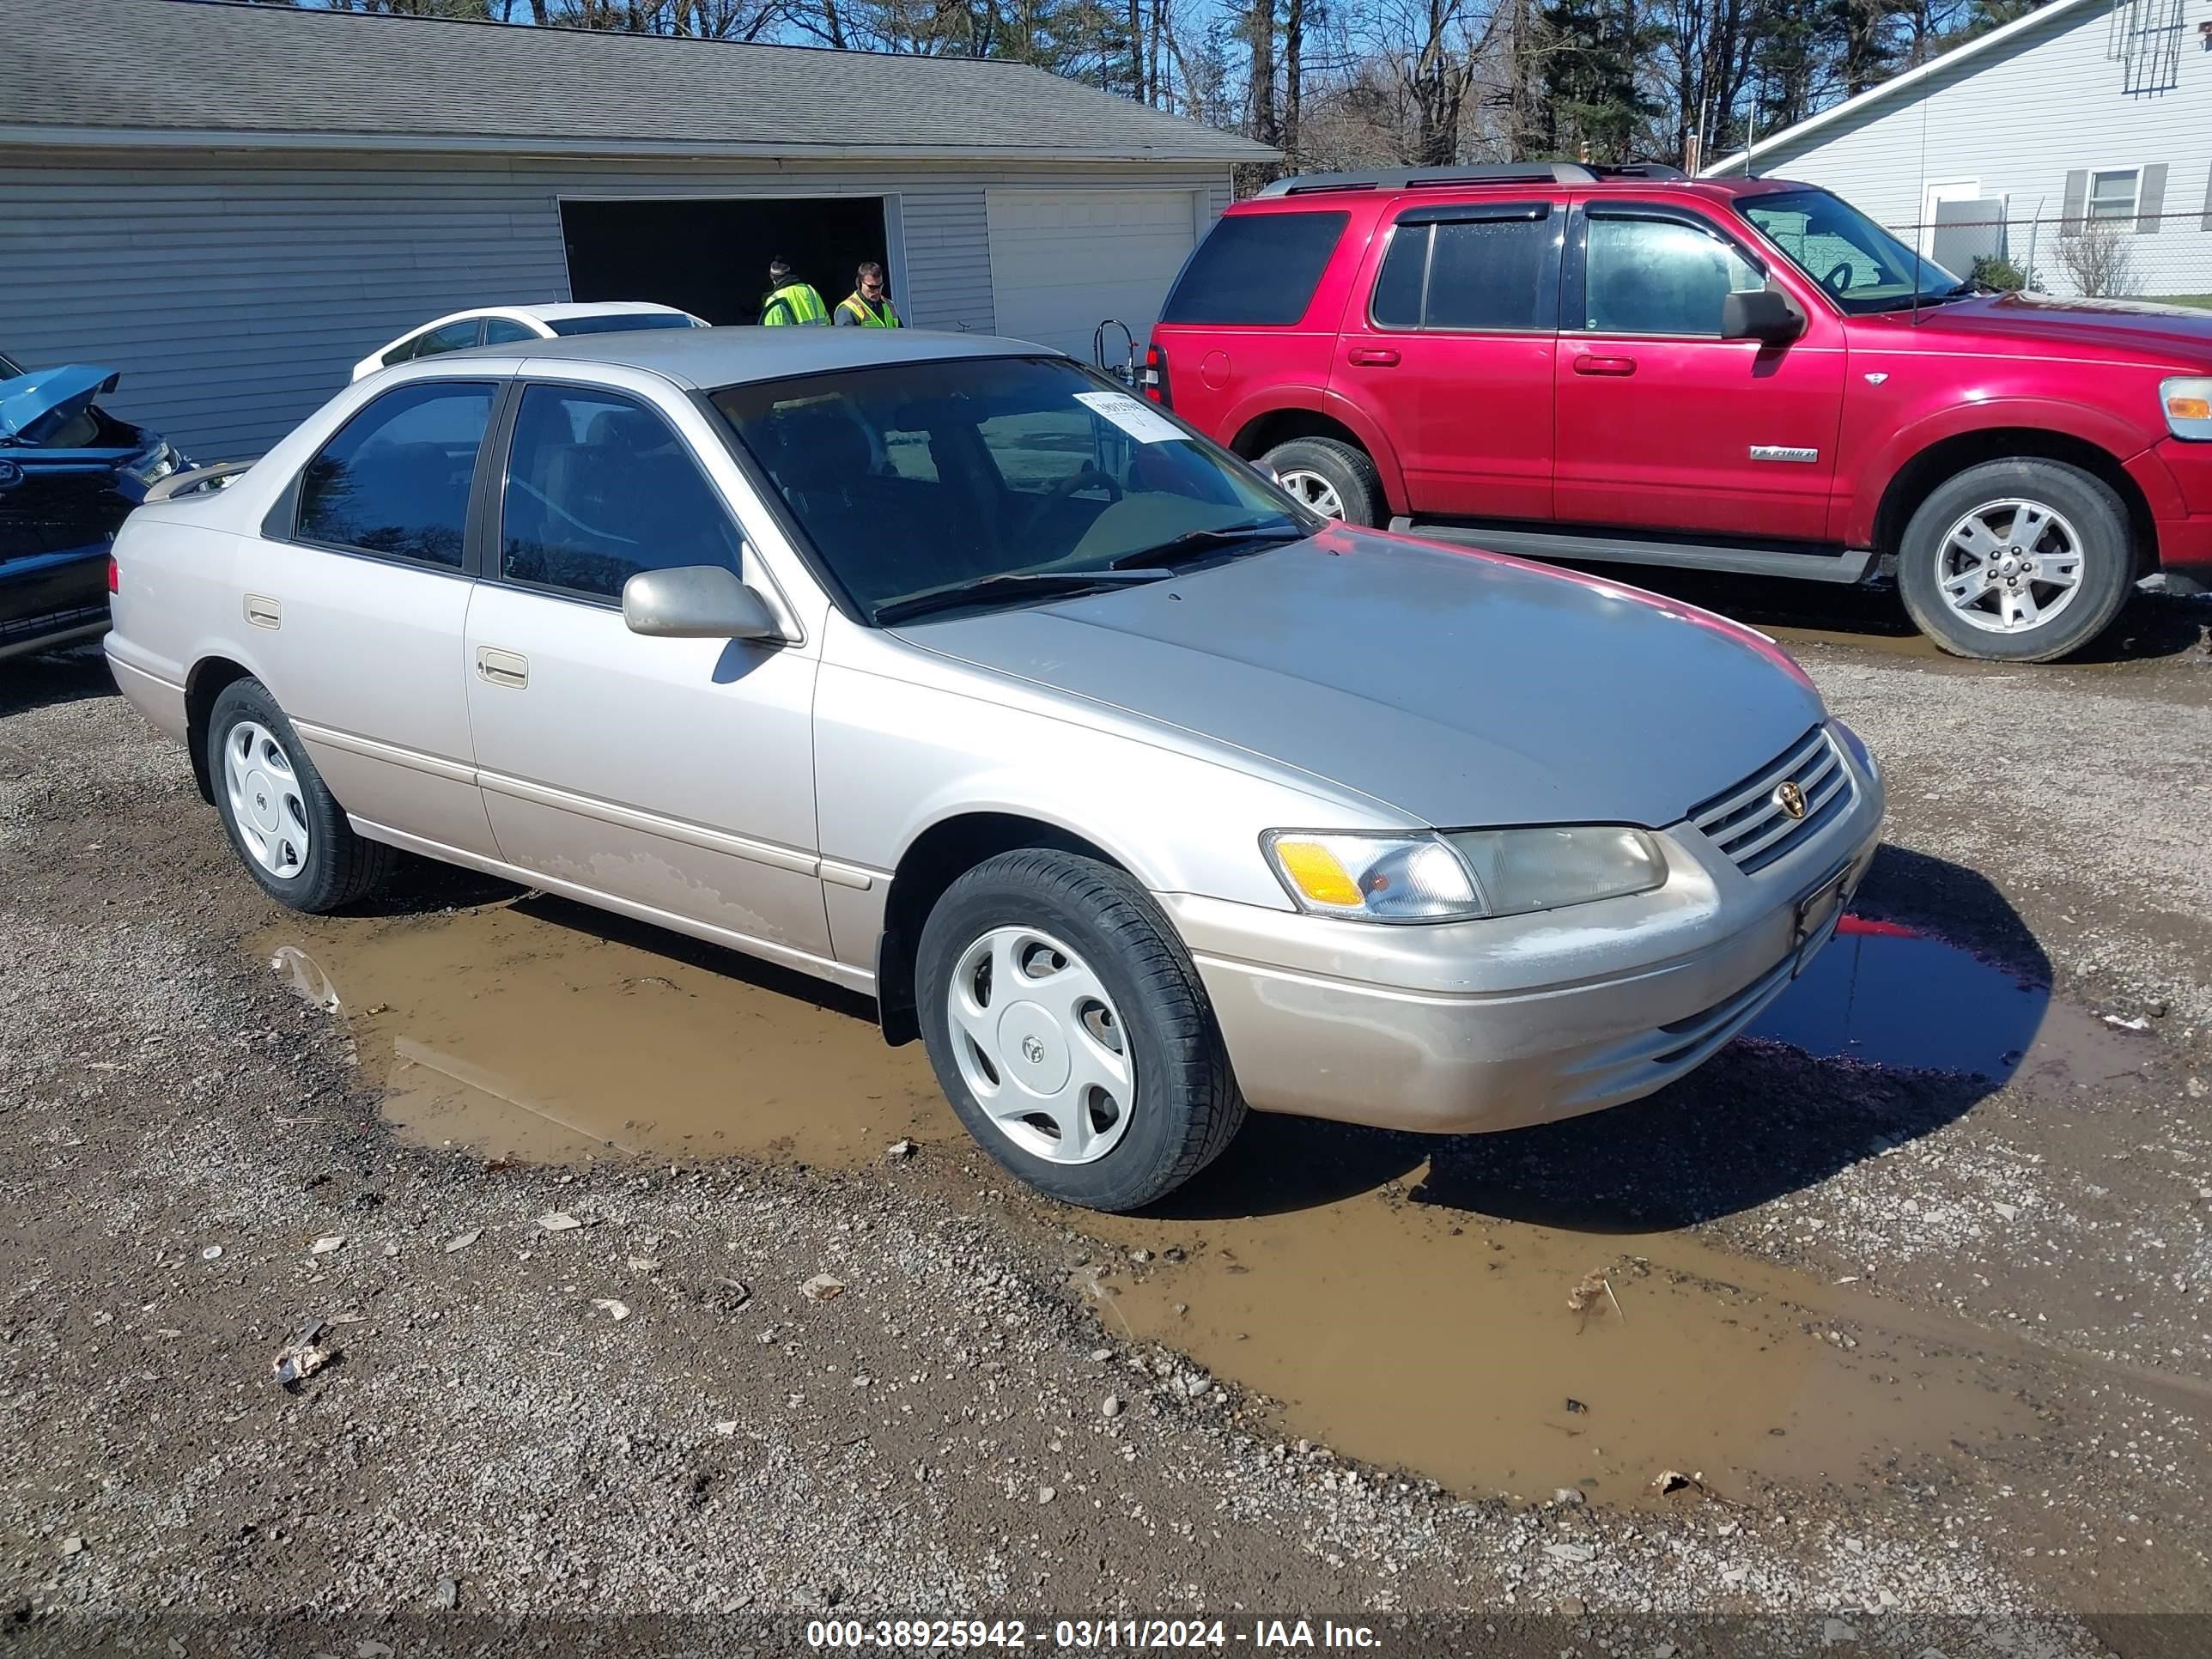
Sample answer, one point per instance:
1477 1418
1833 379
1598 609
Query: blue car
70 472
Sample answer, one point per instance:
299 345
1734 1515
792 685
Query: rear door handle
497 667
1587 364
1373 357
262 611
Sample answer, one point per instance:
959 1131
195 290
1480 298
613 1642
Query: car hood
1462 689
2134 328
29 398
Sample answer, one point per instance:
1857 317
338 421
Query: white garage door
1062 261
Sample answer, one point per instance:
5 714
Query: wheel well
940 855
1917 479
1279 427
204 684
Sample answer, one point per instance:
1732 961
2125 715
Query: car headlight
1422 877
2188 403
156 466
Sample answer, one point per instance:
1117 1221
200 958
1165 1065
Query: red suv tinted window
1255 269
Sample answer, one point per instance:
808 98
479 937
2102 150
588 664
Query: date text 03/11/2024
1082 1634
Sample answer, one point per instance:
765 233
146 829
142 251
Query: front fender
2121 439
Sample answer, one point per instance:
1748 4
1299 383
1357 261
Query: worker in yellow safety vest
788 300
868 306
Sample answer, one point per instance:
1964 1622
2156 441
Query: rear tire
1333 479
2018 560
288 832
1069 1028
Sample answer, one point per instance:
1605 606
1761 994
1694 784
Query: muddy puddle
1488 1354
543 1032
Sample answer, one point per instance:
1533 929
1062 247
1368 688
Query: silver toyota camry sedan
947 671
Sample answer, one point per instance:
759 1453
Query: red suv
1585 363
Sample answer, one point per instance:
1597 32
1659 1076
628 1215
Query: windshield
917 482
8 369
1863 266
619 322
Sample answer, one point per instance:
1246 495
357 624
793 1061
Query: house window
2113 193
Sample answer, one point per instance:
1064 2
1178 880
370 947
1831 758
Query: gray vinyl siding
2019 119
235 290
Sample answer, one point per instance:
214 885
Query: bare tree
2100 259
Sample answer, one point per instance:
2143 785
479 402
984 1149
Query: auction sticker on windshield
1134 415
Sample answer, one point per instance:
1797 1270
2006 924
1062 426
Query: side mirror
1266 473
696 601
1764 314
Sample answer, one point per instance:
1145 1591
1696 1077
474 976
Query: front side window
918 482
1468 273
2113 193
598 488
394 480
1255 269
1863 267
1659 277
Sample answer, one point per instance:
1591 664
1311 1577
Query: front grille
1749 824
15 629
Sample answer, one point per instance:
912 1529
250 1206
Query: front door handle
1587 364
1372 356
497 667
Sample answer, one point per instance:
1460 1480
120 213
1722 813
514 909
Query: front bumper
51 598
1485 1025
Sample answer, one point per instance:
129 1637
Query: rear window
1255 269
619 323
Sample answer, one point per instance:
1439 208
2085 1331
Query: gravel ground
644 1434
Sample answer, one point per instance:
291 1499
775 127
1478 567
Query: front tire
288 832
1333 479
2019 560
1069 1028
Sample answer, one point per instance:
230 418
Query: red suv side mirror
1764 314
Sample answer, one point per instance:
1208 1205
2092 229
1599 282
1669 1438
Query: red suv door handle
1587 364
1373 357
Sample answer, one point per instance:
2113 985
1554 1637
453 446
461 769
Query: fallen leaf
821 1288
462 1240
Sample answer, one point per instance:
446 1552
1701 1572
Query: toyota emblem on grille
1789 798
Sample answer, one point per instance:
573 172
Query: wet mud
1488 1354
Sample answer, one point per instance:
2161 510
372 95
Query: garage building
233 204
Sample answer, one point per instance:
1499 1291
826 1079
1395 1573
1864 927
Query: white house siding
2016 119
235 289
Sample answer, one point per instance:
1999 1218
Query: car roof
711 357
568 308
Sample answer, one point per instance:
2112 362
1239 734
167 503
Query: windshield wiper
1016 584
1167 552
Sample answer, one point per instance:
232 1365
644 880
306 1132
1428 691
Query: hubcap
1316 491
2009 566
1041 1045
266 803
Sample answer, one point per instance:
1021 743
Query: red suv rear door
1664 425
1447 345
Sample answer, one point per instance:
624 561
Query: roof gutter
79 137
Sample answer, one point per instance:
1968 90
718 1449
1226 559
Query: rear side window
394 480
599 487
505 331
1255 269
1469 272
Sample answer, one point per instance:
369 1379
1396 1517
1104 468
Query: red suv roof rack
1486 173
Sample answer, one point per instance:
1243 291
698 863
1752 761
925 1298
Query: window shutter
2150 202
2077 197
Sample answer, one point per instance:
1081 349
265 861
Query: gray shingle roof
277 74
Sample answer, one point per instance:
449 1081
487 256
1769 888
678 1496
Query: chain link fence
2165 257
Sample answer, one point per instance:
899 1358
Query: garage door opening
711 257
